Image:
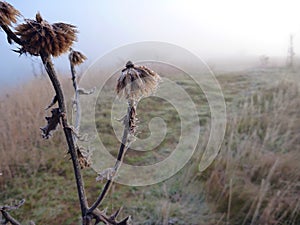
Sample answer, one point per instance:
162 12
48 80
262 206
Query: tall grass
256 178
22 112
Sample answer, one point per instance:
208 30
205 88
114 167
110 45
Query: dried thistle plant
40 37
136 82
76 57
8 14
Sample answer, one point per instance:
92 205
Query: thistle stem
122 150
9 218
68 133
76 101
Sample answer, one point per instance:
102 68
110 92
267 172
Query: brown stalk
9 218
67 130
134 83
46 59
120 157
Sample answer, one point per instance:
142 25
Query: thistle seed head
8 14
76 57
136 82
38 36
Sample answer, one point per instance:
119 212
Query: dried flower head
66 34
76 57
137 81
38 36
8 14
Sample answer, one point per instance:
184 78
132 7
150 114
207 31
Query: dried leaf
52 123
107 174
54 100
82 91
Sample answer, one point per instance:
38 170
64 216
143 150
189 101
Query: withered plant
39 38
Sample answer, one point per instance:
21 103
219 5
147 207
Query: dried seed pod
38 36
76 57
8 14
136 82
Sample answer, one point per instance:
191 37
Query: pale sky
210 28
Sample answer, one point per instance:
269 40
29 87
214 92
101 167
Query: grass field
254 180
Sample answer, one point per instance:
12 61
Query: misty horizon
215 31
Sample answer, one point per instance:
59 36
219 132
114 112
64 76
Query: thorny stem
9 218
68 132
122 150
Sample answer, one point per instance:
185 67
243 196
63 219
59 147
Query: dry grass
256 178
22 114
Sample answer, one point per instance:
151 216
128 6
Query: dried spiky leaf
8 14
107 174
52 123
136 82
82 91
54 100
40 37
115 214
76 57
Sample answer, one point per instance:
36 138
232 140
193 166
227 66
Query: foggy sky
213 28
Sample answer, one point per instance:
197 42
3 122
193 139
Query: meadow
254 180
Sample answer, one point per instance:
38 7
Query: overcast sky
210 28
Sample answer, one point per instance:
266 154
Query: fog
214 30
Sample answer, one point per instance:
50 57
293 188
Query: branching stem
68 132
